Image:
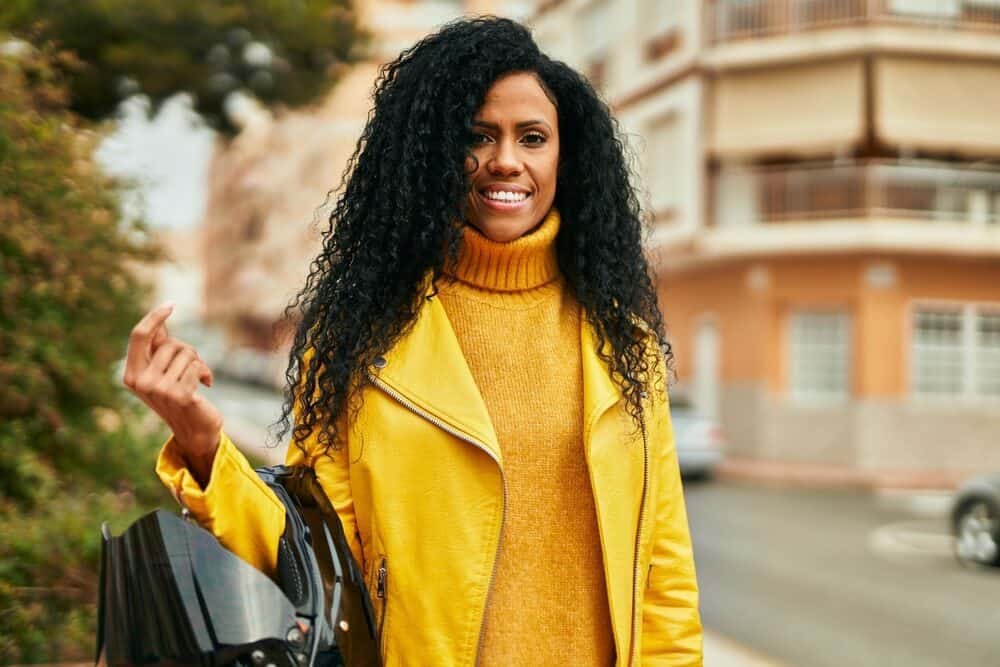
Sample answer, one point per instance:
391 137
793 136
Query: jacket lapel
599 390
615 461
428 369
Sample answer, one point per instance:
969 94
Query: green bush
74 450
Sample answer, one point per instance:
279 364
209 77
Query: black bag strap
349 610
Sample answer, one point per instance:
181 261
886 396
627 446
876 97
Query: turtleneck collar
522 264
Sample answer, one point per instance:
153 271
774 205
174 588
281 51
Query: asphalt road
838 578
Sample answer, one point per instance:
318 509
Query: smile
504 200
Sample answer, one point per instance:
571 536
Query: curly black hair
397 222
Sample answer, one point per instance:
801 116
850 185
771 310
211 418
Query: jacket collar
427 368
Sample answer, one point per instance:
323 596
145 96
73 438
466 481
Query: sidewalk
815 475
722 652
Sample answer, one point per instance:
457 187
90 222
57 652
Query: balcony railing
732 20
859 190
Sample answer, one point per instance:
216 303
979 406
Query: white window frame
806 396
970 312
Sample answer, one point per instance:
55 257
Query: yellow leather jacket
421 493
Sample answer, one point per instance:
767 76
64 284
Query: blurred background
822 180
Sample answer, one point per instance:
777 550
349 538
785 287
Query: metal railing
732 20
856 190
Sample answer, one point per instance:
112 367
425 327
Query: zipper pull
380 584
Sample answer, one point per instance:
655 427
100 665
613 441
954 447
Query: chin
504 231
501 235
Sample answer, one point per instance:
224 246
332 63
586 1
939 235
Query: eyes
530 138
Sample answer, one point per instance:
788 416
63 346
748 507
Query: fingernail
166 305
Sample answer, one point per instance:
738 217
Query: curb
787 473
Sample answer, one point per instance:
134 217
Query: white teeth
500 195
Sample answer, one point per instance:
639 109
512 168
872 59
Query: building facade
823 181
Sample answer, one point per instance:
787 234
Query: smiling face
515 143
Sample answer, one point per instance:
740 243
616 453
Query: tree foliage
282 51
70 440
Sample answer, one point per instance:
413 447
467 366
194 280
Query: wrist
199 446
199 456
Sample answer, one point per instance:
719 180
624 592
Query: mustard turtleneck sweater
519 328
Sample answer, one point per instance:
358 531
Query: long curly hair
397 222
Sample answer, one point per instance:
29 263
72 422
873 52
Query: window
663 165
661 26
937 352
596 29
820 356
955 351
988 353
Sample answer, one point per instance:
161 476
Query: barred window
988 353
819 346
937 353
955 351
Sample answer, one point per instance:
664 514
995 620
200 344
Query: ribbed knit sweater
519 329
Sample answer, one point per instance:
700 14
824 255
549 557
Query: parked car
975 521
700 440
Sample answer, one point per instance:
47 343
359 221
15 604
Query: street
817 578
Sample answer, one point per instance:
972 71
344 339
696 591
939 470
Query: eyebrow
522 124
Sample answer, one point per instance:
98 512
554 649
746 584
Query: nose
504 161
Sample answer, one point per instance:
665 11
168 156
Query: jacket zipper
638 539
381 593
392 393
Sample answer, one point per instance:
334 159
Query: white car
700 440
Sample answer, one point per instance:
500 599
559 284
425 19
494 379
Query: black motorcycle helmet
170 594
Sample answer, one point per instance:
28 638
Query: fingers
171 381
184 359
163 357
205 376
140 342
157 363
190 377
178 363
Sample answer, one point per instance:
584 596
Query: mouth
505 200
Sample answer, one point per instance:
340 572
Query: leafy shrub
74 450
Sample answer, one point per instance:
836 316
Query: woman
478 377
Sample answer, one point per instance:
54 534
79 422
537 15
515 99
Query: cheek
551 174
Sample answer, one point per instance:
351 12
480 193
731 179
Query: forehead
515 97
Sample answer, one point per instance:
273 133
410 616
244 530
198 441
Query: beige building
824 180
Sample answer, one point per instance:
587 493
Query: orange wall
751 321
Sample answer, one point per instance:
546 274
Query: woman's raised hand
165 373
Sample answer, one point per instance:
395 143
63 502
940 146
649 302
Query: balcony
734 20
861 190
895 206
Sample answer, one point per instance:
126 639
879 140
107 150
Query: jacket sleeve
241 511
671 624
236 506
